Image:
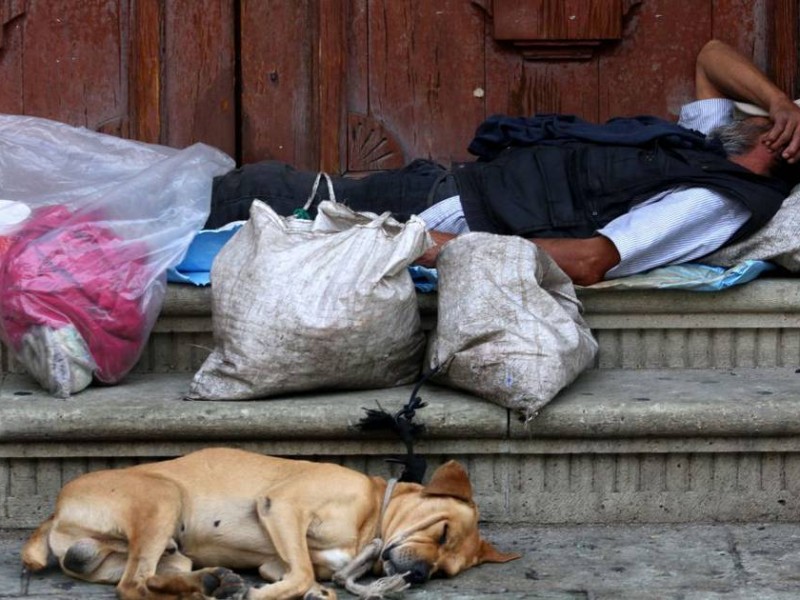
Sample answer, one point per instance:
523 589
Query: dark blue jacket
567 185
499 132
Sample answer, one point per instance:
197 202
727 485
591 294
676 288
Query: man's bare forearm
585 261
722 72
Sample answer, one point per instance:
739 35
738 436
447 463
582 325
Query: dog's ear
450 480
489 553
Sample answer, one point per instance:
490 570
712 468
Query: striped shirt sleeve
679 226
682 224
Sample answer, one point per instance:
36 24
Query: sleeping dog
146 527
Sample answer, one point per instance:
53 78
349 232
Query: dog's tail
37 549
35 553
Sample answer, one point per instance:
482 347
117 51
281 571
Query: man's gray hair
740 135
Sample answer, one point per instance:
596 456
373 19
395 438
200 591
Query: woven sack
301 305
509 327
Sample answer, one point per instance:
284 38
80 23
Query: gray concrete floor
669 562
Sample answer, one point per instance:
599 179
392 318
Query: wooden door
359 85
53 65
156 70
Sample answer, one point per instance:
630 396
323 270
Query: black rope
403 425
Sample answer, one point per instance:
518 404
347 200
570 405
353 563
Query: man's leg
403 192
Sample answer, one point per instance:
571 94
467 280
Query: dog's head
434 529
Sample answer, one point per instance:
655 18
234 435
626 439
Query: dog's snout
419 573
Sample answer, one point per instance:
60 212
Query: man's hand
722 72
585 261
784 137
439 239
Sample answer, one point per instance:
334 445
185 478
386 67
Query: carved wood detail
370 147
9 10
559 29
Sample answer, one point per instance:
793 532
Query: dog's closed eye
443 537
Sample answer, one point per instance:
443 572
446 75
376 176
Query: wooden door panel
11 55
410 76
277 67
364 84
64 61
182 72
199 72
524 87
424 80
652 70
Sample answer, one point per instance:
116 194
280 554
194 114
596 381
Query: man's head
741 135
743 142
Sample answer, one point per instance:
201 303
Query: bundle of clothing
72 305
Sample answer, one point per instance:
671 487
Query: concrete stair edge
600 404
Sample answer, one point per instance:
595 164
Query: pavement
619 562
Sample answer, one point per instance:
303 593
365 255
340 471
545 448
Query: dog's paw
224 584
319 593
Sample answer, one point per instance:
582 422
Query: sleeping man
603 201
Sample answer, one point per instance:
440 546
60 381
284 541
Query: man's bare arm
722 72
428 259
585 261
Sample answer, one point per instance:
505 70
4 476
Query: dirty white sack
509 328
777 241
301 305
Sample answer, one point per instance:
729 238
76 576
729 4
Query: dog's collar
358 567
386 497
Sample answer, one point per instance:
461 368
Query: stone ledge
151 407
619 403
767 295
761 304
601 404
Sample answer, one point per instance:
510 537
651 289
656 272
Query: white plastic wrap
83 274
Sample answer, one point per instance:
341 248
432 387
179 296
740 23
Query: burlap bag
509 325
304 305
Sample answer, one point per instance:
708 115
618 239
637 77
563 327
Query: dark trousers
403 192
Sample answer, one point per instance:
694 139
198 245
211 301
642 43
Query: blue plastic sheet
690 276
196 266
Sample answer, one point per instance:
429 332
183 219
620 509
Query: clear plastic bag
82 273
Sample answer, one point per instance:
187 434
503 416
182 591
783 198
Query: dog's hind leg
150 526
94 560
204 583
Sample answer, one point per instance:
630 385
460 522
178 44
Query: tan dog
297 522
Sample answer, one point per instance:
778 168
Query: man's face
774 164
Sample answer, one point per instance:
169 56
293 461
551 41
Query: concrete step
752 326
622 562
616 446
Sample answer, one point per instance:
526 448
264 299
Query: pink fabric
62 269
